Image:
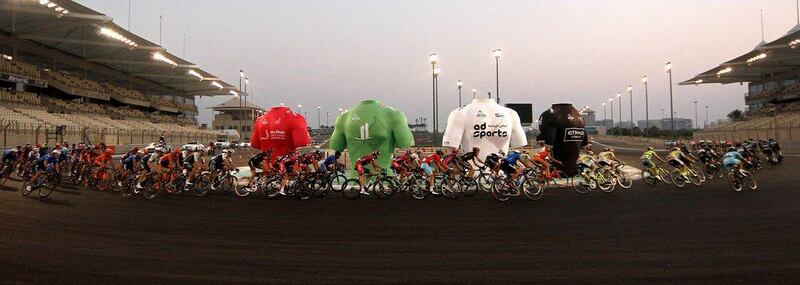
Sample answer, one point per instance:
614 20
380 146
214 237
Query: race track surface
642 235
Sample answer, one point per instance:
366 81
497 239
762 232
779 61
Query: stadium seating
20 69
85 86
19 97
127 93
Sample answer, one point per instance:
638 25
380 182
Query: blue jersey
330 160
733 155
513 157
10 154
130 160
52 161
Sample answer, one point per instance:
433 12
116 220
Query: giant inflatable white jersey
485 124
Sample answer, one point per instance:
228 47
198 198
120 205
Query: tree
736 115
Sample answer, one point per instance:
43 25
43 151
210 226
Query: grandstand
67 67
773 98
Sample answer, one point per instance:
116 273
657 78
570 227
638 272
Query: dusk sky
336 53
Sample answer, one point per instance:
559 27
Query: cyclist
287 168
453 159
148 160
472 158
586 163
776 149
311 161
509 165
102 161
47 162
733 159
331 163
219 163
544 157
260 161
432 164
11 156
606 158
677 159
130 165
369 159
493 163
647 159
193 164
400 164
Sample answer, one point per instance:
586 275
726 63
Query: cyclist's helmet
476 149
649 148
318 152
439 152
55 152
731 149
140 152
376 153
337 153
590 153
516 151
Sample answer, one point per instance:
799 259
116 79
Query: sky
334 54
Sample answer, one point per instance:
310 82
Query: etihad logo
364 132
499 115
481 114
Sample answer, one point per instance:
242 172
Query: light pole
328 119
705 125
241 113
496 53
611 104
668 67
460 85
696 123
300 108
319 122
620 112
646 109
474 91
605 118
434 57
630 92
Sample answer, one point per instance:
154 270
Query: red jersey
544 154
103 157
431 158
281 130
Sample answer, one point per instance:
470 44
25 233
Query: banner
23 80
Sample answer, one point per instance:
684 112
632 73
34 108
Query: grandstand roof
233 104
778 56
78 33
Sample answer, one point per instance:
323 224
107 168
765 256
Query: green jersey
368 127
648 155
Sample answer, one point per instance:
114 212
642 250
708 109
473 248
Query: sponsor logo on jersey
364 132
574 134
355 118
481 114
499 115
480 131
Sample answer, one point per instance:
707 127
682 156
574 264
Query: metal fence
13 133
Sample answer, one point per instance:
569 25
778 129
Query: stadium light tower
319 121
241 113
460 85
646 108
605 118
434 58
668 67
705 125
619 99
474 91
630 92
695 115
496 53
611 104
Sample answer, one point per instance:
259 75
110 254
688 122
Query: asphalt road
642 235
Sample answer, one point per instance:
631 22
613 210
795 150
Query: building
605 123
589 117
227 116
624 125
680 124
643 124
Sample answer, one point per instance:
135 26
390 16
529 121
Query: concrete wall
12 136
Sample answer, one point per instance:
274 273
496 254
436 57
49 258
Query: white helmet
160 149
227 151
56 152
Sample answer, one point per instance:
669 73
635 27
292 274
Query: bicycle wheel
749 181
351 189
500 190
533 189
319 186
201 185
699 171
417 187
624 180
24 191
270 186
677 178
485 182
50 184
695 178
449 187
582 185
151 189
649 177
126 191
469 187
336 183
734 182
228 184
605 183
382 188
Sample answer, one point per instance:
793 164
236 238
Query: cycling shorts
508 168
164 163
427 168
648 163
676 162
397 166
361 169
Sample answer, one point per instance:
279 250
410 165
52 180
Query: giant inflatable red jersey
281 130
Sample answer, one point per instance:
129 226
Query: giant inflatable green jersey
368 127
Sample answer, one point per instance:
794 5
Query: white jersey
485 124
